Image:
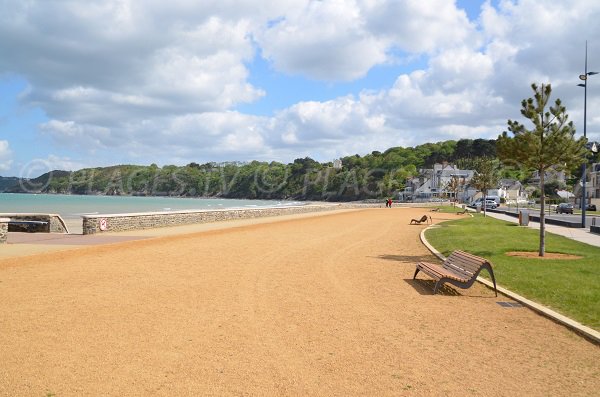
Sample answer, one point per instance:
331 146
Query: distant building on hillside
436 182
549 176
337 164
511 190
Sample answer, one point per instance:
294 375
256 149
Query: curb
585 331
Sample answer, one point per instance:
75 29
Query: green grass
448 209
571 287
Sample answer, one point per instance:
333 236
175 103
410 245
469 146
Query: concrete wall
122 222
3 230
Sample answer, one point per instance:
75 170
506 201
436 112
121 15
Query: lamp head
583 77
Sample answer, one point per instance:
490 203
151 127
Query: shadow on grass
443 218
482 253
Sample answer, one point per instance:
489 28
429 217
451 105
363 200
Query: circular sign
103 224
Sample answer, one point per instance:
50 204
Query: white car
491 204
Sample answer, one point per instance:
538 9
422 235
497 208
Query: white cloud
40 166
70 133
419 26
143 55
6 158
154 81
310 124
342 40
325 40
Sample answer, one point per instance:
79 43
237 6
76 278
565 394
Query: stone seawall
93 224
3 230
49 223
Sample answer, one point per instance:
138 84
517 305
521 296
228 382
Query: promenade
313 305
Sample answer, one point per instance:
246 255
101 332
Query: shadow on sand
412 259
425 287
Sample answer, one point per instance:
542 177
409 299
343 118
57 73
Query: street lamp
584 77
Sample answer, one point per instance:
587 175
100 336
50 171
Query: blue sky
99 83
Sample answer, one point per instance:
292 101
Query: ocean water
72 206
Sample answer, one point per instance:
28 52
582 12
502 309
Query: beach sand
321 305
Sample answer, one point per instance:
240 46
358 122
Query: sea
74 206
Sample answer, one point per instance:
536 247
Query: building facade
442 181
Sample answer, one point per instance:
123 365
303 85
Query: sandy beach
321 305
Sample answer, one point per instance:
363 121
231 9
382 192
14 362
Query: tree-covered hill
375 175
8 182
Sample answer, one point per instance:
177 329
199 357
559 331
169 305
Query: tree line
371 176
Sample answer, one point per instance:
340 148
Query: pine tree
549 145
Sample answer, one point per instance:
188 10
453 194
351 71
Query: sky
105 82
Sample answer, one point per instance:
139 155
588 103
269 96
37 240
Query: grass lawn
448 209
571 287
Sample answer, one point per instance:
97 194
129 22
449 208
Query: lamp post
584 77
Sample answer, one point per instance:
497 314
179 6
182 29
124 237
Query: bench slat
457 271
460 269
465 266
438 272
467 262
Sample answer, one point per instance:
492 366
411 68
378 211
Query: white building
549 176
436 182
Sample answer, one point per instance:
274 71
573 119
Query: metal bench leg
437 285
489 269
416 271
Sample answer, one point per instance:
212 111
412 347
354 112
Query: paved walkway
579 234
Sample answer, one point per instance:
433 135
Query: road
553 215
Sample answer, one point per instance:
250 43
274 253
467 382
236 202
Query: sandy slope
315 306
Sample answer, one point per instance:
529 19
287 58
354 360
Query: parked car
564 208
591 207
491 204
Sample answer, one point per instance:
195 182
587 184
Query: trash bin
523 218
478 207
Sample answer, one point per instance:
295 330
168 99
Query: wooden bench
424 218
460 269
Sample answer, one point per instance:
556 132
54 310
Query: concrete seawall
104 223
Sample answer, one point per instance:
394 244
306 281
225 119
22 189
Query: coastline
124 217
74 206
